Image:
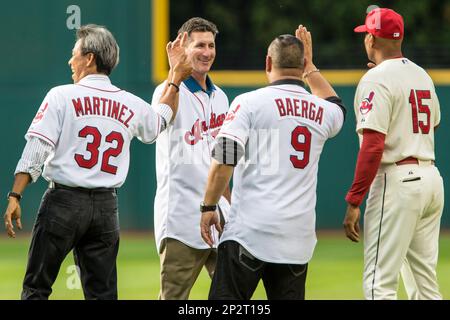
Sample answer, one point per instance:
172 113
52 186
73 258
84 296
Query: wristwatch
16 195
206 208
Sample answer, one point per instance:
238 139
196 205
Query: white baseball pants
401 231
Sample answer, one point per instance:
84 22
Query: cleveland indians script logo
200 127
40 114
232 114
366 104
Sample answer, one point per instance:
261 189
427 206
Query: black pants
238 273
79 219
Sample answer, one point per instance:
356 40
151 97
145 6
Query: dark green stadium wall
338 160
36 46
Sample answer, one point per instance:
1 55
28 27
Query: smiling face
202 51
79 63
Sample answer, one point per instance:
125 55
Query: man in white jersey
183 156
82 132
281 129
397 111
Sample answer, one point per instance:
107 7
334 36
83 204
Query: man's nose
207 52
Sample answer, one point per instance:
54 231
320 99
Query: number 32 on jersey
92 148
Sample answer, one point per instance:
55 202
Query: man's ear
90 59
268 64
372 40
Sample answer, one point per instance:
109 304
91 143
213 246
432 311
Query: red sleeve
369 158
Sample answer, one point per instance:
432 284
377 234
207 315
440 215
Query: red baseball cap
383 23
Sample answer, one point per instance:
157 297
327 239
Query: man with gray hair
82 132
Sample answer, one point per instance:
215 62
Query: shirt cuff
227 151
34 154
24 166
164 111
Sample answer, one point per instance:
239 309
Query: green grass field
334 272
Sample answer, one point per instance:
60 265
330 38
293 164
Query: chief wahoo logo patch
40 114
366 104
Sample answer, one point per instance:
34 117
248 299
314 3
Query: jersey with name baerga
282 129
91 124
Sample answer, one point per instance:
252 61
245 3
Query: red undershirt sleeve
367 164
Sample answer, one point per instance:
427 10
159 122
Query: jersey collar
194 87
95 77
288 81
99 82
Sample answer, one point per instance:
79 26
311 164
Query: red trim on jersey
199 100
369 159
206 119
98 88
306 93
46 138
227 134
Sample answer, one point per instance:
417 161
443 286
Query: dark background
247 27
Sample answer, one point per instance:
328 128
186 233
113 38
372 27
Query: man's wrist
353 200
176 79
307 72
177 87
14 195
207 207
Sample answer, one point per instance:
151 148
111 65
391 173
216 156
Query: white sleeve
237 123
155 118
34 154
165 112
373 107
150 124
162 109
337 122
337 115
437 108
47 123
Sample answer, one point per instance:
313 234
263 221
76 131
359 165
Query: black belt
54 185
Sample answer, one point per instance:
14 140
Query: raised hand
305 37
180 64
176 50
182 69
